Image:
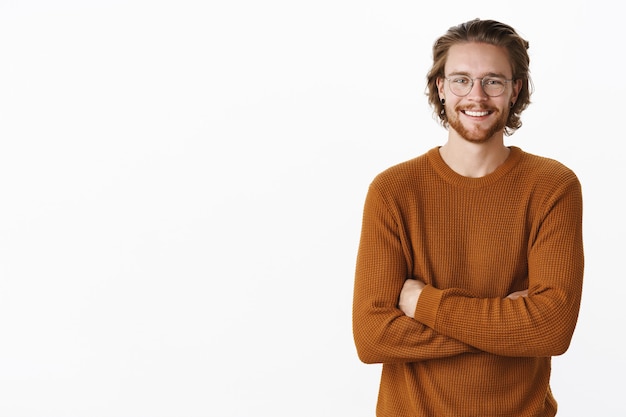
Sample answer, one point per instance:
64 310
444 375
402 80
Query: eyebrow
489 74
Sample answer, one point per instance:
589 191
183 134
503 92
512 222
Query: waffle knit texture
469 351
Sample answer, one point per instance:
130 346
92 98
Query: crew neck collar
452 177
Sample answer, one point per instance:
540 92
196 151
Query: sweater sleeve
539 325
382 332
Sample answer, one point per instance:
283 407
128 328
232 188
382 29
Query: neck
472 159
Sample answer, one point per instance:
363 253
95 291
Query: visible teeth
476 113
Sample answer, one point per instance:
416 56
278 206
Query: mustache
477 108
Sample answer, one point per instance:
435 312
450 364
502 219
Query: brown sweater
470 351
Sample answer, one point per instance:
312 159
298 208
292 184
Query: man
470 264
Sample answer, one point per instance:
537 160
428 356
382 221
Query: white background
181 187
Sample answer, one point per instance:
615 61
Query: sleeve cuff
428 306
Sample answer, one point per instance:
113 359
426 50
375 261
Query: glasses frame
482 84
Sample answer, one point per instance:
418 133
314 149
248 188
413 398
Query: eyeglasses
461 85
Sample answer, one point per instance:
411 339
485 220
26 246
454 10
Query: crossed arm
412 289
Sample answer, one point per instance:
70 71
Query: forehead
477 59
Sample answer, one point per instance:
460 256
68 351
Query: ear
517 87
440 81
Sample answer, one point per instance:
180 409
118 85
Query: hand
409 295
517 294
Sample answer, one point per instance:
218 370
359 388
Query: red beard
478 132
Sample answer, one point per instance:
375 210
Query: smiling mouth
476 113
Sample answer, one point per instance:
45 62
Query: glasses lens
493 86
461 85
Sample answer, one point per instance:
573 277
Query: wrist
427 305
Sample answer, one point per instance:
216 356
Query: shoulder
546 177
544 168
403 174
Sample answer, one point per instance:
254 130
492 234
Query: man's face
477 117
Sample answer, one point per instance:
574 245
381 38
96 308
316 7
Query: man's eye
460 80
494 81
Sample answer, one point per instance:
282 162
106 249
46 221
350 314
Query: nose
477 92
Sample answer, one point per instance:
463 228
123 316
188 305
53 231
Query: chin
477 136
